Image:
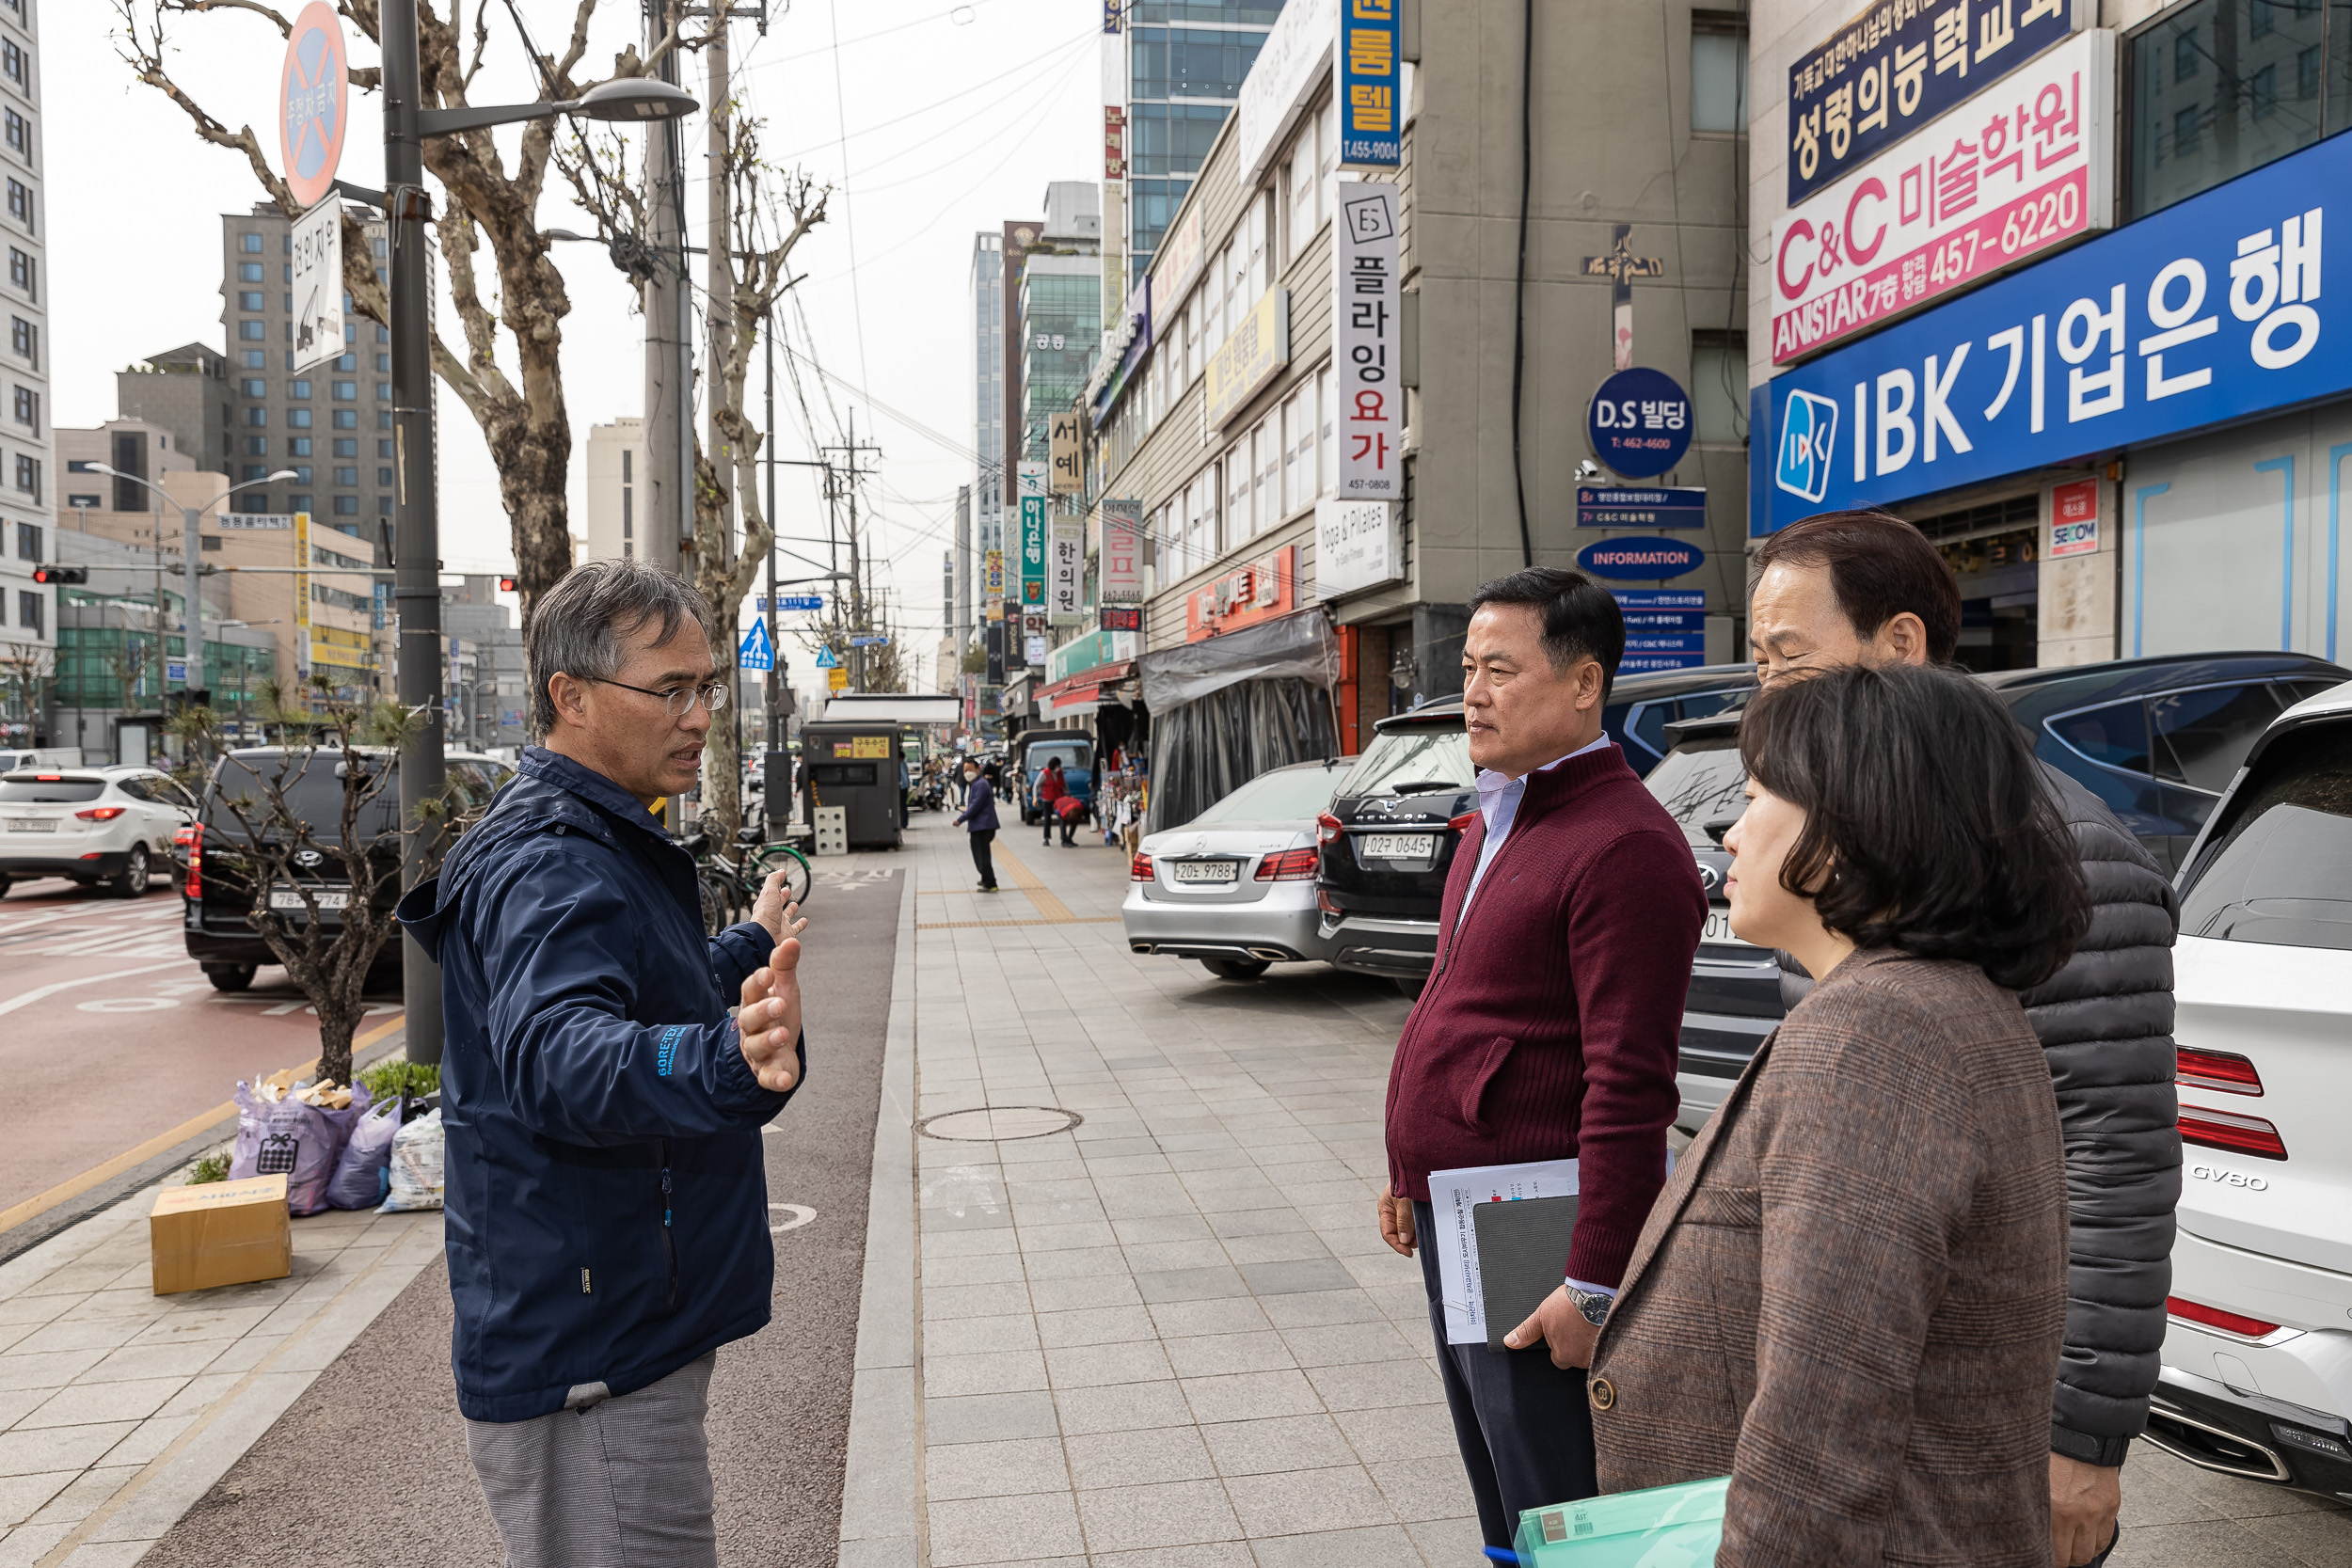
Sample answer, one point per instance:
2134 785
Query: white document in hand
1451 1193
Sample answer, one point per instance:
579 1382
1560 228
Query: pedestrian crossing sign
828 660
757 652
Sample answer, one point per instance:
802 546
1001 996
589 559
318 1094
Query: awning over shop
1083 691
1292 647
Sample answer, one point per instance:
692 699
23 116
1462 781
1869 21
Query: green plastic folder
1666 1526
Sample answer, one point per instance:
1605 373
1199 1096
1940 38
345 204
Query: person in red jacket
1549 1027
1051 791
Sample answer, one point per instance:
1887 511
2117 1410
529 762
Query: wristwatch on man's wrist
1593 1304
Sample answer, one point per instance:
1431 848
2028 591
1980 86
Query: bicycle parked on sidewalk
729 888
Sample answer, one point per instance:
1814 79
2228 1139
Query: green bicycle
729 888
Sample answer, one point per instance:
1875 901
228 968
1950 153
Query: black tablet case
1522 1247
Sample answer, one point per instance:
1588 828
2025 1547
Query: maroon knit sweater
1550 1025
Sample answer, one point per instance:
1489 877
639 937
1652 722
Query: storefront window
2221 87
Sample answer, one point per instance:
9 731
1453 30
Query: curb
70 1211
882 1497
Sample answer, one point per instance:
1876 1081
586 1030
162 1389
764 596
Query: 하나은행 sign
2020 167
1898 66
2208 311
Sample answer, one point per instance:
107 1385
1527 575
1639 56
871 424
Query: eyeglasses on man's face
677 700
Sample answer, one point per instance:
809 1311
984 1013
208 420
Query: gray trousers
607 1483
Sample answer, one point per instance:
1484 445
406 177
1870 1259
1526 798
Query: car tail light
1139 869
1323 902
1461 824
2227 1129
2214 1317
191 838
2218 1071
1291 865
101 814
1328 828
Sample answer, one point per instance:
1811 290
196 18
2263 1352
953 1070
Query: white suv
92 824
2257 1375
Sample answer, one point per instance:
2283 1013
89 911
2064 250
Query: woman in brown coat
1849 1295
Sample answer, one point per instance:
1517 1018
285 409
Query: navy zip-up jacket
979 806
607 1197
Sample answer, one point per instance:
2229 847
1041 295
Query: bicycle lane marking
38 992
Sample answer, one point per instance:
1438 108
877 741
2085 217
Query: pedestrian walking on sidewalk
606 1192
980 816
1549 1027
1865 588
1052 790
1851 1296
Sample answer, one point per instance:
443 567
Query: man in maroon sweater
1549 1027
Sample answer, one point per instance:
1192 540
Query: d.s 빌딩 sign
2210 310
1364 306
2022 167
1640 423
1898 66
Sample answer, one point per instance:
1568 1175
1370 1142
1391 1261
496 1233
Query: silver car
1236 886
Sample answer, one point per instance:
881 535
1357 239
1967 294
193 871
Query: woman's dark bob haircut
1928 825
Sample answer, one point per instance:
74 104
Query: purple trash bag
289 1138
363 1172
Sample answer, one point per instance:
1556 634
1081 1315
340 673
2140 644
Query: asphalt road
110 1035
369 1466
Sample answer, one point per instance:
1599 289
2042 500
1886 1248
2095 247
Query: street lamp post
192 640
416 531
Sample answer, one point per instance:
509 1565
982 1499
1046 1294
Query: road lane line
13 1002
34 1207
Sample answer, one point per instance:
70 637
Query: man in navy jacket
608 1203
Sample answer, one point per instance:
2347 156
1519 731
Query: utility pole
417 529
857 578
669 346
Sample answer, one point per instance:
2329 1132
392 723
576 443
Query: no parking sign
313 103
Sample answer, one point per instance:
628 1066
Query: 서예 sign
1259 348
2025 164
1598 506
1898 65
1640 423
1640 558
313 103
2210 310
1365 330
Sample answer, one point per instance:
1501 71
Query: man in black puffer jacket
1862 587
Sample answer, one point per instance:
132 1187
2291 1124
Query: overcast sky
930 120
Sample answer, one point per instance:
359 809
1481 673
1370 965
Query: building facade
2098 374
27 609
614 452
332 425
988 394
1182 65
1227 435
185 390
487 692
1056 314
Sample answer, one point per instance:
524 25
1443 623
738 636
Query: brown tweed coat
1851 1295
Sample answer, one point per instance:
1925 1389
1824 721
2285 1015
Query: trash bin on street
855 766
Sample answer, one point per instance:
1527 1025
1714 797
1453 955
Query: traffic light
506 585
62 574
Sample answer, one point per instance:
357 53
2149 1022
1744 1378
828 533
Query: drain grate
985 1124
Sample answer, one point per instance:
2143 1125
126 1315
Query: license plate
1205 871
31 825
1717 931
328 898
1398 847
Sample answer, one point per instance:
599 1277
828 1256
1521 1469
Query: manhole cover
998 1123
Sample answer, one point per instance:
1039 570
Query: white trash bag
415 1166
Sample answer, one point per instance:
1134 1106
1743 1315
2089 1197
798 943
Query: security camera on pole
314 103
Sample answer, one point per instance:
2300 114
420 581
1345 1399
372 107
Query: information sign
799 601
1598 506
1658 599
1641 557
316 273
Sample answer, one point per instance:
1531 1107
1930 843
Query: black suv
217 889
2158 739
1387 840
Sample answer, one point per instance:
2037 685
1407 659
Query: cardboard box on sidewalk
221 1233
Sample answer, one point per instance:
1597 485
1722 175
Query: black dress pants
1523 1424
982 857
